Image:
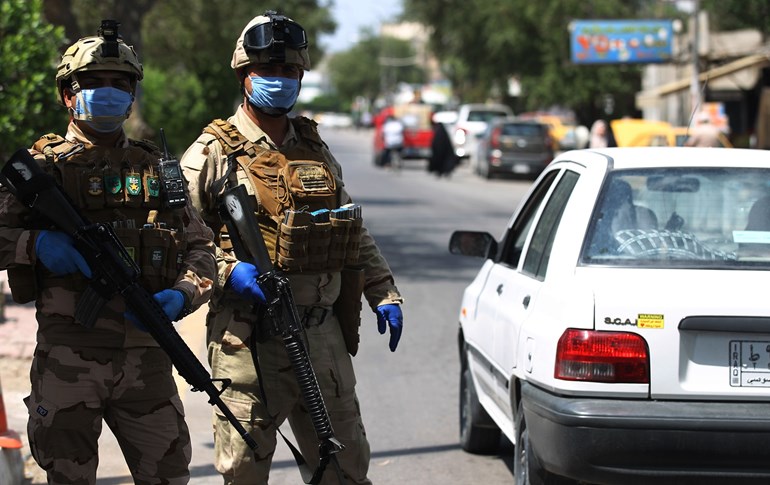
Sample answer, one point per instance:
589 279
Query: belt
314 315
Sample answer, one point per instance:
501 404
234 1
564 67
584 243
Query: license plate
521 168
749 363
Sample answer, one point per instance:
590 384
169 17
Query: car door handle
499 289
525 301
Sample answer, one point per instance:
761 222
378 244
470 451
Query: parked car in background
334 120
619 330
565 135
446 117
418 130
633 132
513 146
472 120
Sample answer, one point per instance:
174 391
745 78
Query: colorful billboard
621 41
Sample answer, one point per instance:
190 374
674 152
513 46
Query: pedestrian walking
443 159
704 133
393 141
598 136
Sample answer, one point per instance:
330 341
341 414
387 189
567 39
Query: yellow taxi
633 132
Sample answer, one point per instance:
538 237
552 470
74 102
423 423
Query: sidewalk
17 331
17 344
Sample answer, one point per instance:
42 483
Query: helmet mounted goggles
276 35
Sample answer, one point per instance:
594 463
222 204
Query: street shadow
505 453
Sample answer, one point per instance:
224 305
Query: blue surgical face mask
273 92
103 109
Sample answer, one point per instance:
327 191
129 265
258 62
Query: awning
752 61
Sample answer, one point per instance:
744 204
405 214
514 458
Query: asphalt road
409 398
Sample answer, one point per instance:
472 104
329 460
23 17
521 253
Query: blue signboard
621 41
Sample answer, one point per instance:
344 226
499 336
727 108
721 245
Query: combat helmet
271 38
105 51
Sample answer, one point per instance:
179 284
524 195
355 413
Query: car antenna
696 108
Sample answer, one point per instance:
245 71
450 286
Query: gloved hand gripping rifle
114 272
238 215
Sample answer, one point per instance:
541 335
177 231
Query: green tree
738 14
174 101
482 44
374 66
28 57
197 38
187 44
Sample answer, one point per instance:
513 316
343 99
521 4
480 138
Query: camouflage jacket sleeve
203 163
17 244
18 232
379 287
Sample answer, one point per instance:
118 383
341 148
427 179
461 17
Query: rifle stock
114 272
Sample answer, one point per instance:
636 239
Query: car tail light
549 144
460 136
587 355
494 139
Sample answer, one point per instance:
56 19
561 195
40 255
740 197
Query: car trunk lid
708 331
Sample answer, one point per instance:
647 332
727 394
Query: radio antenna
163 142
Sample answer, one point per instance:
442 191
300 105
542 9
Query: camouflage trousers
132 390
229 357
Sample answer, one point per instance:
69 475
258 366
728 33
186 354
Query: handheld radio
171 179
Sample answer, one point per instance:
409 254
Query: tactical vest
119 186
288 188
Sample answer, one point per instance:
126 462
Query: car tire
484 170
527 469
478 433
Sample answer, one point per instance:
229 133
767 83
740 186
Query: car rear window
673 217
522 129
485 116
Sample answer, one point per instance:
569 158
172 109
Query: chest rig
122 187
294 193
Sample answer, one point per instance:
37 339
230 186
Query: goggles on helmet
278 34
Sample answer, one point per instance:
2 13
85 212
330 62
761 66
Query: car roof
485 107
643 157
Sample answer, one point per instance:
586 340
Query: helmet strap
74 84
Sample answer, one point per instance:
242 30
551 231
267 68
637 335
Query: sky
352 15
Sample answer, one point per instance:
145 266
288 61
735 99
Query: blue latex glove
243 279
391 315
172 302
57 252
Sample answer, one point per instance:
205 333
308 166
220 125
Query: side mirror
473 243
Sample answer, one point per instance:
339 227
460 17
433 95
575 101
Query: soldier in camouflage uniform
114 371
285 166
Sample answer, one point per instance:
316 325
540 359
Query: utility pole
695 82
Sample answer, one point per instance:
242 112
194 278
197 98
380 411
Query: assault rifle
113 271
238 215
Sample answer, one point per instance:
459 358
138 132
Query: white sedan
619 330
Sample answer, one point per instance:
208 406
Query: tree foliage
28 58
374 66
738 14
185 47
482 44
